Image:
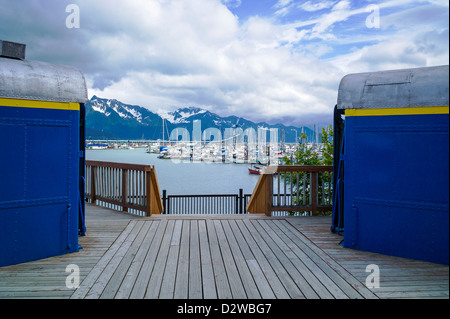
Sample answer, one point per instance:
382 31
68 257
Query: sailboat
163 151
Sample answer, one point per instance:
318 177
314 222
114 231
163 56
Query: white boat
96 146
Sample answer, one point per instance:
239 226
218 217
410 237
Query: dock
218 257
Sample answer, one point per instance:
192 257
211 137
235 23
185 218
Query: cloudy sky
265 60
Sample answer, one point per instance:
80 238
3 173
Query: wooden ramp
218 257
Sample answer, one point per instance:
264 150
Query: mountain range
112 119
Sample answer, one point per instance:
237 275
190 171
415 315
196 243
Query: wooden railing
293 188
132 188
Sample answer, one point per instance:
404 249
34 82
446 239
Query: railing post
124 190
93 199
164 200
148 196
314 192
241 200
269 195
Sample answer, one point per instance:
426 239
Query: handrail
293 188
133 187
205 203
137 167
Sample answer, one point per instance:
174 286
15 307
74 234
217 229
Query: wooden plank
414 280
263 286
91 278
234 280
281 272
395 271
121 270
143 278
156 278
220 275
53 294
195 274
295 276
119 260
346 282
108 271
277 287
182 280
419 294
131 276
208 282
248 283
320 281
412 288
257 203
156 200
301 208
314 192
314 276
149 198
170 271
304 168
135 167
268 195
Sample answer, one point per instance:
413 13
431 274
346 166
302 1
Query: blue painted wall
39 171
396 197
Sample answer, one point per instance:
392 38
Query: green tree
326 138
307 155
310 155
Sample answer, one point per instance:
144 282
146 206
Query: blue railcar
41 157
391 163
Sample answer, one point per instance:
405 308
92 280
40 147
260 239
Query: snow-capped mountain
112 119
182 115
123 110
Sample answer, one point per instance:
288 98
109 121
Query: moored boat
255 170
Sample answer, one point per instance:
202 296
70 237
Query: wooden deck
219 257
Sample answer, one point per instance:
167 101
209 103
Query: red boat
255 170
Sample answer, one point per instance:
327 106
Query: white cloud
164 54
260 69
316 5
283 7
282 3
243 70
287 6
404 49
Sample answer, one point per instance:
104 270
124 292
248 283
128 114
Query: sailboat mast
163 132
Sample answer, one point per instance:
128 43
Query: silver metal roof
418 87
33 80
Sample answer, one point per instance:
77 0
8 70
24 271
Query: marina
180 177
135 188
241 153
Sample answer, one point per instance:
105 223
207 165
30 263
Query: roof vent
12 50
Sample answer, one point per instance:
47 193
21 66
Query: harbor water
183 177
